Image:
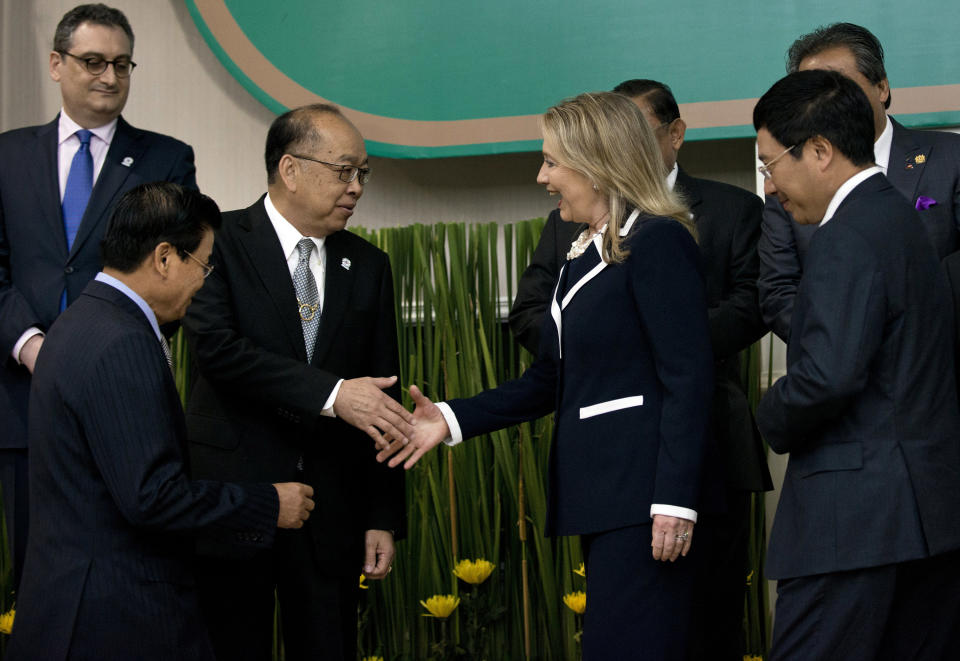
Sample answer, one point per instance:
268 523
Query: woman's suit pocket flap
611 405
833 457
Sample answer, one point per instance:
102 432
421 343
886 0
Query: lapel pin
345 263
920 159
127 161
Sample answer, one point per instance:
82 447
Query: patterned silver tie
166 351
308 303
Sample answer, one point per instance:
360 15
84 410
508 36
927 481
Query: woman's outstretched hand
429 431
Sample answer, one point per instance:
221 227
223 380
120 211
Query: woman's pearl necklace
578 247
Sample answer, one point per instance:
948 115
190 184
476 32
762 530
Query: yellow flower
473 572
372 658
581 571
363 585
576 601
747 657
440 605
6 621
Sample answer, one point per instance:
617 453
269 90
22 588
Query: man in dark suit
109 569
58 183
923 165
865 539
728 223
286 333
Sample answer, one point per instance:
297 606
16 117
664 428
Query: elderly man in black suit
58 183
109 569
865 539
728 224
924 166
295 341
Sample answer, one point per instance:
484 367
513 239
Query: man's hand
672 537
363 404
379 554
29 351
295 504
431 430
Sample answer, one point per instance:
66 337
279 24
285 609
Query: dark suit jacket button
69 270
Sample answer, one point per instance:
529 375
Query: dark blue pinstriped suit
108 573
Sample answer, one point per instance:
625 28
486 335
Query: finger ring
682 537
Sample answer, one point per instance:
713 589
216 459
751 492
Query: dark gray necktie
308 300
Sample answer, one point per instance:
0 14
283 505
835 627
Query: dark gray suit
35 265
868 412
109 571
923 163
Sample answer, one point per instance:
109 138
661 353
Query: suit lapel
47 183
266 256
340 275
126 147
688 188
907 161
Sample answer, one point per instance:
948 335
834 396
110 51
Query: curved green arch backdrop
429 78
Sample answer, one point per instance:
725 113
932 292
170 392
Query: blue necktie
77 193
79 184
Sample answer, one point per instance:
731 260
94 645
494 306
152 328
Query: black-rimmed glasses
346 173
95 65
207 268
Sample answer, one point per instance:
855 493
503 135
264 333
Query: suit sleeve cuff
673 510
328 405
30 332
456 437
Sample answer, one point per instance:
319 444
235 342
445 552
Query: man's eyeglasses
207 268
765 168
122 66
346 173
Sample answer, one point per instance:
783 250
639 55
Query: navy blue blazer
923 163
108 572
868 409
626 363
728 225
35 266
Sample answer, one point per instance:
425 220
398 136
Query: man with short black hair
864 542
58 183
923 165
295 343
109 568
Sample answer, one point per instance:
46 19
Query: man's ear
56 61
883 87
677 130
288 170
161 258
823 151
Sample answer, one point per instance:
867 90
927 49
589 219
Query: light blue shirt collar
135 297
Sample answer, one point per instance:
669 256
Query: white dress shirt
289 237
67 145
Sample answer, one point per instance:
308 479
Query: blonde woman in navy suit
626 364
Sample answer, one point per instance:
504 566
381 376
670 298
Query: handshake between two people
396 432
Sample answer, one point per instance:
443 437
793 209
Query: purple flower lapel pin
924 203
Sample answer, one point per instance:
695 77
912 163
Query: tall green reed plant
485 498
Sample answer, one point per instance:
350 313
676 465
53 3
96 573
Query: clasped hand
363 404
431 429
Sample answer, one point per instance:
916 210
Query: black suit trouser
639 608
901 612
318 607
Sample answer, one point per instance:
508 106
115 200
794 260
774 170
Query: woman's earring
596 188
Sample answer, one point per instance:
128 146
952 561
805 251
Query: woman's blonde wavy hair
604 136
